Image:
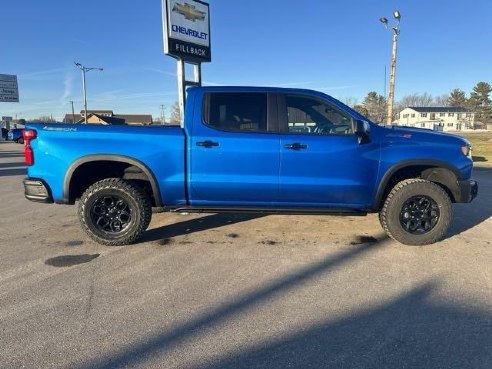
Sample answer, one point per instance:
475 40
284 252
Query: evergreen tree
480 102
361 109
457 98
375 106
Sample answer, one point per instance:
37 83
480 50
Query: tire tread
144 204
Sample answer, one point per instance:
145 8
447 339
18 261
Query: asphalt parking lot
241 291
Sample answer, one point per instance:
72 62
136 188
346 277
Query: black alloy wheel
115 212
111 214
416 212
419 214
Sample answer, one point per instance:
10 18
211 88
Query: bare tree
442 100
175 114
351 101
44 119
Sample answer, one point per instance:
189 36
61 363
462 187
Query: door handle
207 143
296 146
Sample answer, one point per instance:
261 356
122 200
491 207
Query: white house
448 118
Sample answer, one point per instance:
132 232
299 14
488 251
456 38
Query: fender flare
412 163
110 157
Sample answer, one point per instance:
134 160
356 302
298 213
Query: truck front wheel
114 212
416 212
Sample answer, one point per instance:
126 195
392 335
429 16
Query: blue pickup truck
251 149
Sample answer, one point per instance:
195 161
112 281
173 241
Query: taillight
28 135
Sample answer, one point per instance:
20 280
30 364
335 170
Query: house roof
109 120
128 118
135 118
437 109
89 112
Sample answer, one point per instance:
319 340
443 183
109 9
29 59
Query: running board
287 211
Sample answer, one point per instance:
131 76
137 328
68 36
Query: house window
442 114
450 124
422 125
468 115
450 114
460 115
423 115
405 115
413 115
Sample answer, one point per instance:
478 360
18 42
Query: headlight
466 150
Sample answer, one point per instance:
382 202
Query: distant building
107 117
438 118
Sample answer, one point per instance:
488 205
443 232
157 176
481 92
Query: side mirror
362 131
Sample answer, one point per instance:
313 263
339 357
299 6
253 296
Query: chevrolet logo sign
189 12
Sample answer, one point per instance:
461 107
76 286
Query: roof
89 112
109 120
441 109
135 118
128 118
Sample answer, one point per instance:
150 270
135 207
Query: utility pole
73 112
84 70
396 32
162 115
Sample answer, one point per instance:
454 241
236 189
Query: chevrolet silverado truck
251 149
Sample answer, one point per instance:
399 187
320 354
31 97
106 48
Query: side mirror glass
362 131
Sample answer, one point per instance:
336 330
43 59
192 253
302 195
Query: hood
423 134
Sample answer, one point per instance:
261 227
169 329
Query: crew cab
251 149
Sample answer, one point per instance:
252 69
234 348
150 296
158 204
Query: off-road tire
138 202
389 216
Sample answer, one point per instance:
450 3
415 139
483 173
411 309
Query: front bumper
468 190
37 190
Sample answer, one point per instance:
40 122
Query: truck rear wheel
114 212
416 212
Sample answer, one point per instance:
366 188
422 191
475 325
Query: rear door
322 163
233 153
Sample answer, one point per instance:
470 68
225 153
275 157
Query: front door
321 160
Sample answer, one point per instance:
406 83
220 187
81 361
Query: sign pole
181 89
186 37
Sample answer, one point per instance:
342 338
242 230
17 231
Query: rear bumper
468 190
37 190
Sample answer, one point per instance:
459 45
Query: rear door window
236 112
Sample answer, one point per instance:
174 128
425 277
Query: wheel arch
122 159
435 171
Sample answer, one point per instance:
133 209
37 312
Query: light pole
85 69
162 115
73 112
396 32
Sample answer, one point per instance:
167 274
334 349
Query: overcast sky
335 46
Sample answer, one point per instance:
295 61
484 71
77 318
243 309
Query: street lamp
396 31
85 69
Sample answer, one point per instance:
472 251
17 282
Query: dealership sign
9 90
186 26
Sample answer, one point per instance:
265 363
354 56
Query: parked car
16 135
241 151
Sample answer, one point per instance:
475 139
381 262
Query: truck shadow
160 343
413 329
409 331
196 225
467 216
